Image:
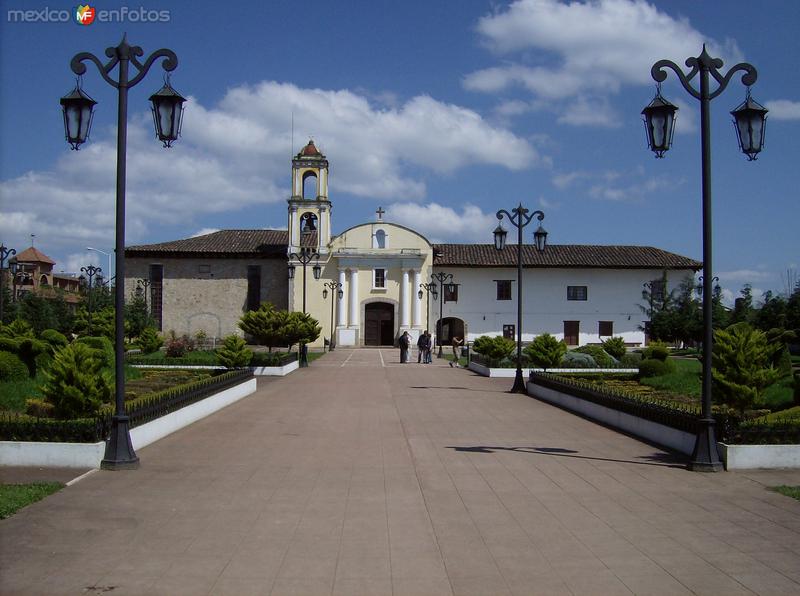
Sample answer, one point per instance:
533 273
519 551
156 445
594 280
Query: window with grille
577 293
156 290
451 292
606 328
503 289
380 278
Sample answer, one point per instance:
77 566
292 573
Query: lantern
659 122
500 237
540 238
167 113
78 110
750 122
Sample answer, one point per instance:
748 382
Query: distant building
581 293
31 271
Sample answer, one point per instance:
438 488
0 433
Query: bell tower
309 207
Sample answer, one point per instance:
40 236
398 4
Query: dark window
503 289
380 278
571 332
606 328
253 287
577 293
509 331
657 290
204 271
451 292
156 290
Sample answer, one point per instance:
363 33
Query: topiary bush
615 347
573 359
545 351
28 350
150 341
234 352
494 348
76 384
104 348
53 339
653 367
12 368
600 356
631 359
656 350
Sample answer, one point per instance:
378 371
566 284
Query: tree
494 348
772 314
266 325
234 352
682 320
743 310
38 312
149 340
545 350
137 317
76 384
301 328
10 307
793 310
742 365
102 323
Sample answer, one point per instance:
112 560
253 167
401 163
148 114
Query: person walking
457 343
405 343
428 347
421 343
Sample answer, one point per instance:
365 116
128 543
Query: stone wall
213 299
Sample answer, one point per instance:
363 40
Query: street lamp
4 254
750 119
519 218
430 289
108 256
446 281
336 290
77 107
90 271
305 256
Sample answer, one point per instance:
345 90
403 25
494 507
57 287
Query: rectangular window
204 271
380 278
509 331
657 290
253 287
156 291
571 332
503 289
606 328
451 292
577 293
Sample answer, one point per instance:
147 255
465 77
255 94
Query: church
368 284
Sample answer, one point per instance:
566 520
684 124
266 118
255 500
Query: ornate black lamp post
91 271
446 281
430 290
167 113
519 220
4 254
336 290
305 256
750 120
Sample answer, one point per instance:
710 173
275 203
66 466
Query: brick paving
363 476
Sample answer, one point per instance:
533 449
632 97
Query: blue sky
441 112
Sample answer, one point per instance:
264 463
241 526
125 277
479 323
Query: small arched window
380 239
43 280
310 186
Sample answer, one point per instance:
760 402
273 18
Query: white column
340 309
404 301
417 320
294 241
353 295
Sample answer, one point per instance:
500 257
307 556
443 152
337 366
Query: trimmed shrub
150 341
615 347
573 359
656 350
104 348
545 351
272 358
653 367
16 329
234 352
54 339
28 349
75 383
494 348
178 346
12 368
39 408
631 359
600 356
797 388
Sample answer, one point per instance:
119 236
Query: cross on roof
380 213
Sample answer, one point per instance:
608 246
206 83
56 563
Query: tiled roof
32 255
561 255
224 243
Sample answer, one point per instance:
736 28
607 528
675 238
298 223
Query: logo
84 15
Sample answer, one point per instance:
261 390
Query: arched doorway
379 324
450 327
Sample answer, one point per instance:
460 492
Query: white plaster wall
613 295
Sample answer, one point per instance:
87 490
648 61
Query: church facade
365 284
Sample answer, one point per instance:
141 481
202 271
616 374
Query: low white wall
510 373
745 457
89 455
651 431
275 371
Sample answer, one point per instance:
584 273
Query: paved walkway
363 476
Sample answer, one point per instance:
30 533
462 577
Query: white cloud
783 109
444 224
560 50
746 276
588 111
630 186
236 155
203 232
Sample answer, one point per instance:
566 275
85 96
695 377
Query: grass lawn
789 491
684 381
14 497
196 357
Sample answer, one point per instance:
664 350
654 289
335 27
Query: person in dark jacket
405 343
424 346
